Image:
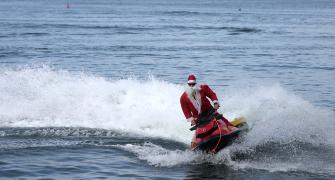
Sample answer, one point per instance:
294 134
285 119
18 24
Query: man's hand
216 106
193 122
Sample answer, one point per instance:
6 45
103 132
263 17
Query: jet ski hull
223 136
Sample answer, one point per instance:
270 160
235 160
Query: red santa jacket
193 106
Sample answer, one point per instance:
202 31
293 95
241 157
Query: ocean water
92 91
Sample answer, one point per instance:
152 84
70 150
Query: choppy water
93 91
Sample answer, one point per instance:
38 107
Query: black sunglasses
191 84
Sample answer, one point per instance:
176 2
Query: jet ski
213 132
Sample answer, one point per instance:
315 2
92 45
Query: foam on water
13 144
275 115
41 97
159 156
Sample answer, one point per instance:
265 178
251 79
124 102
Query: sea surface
90 90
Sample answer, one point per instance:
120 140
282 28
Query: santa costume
195 99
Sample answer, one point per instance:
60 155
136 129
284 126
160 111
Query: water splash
41 97
275 115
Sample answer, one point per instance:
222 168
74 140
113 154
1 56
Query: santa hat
191 79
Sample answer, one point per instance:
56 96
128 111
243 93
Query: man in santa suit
195 100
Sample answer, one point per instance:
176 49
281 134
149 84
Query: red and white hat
191 79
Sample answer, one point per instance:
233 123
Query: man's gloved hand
216 105
194 122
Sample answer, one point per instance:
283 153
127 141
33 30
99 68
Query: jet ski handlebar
204 118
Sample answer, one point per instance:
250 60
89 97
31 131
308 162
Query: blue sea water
92 91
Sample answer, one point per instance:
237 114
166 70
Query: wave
26 34
35 143
44 102
293 66
230 29
186 13
41 97
286 161
62 132
278 159
275 115
121 29
77 26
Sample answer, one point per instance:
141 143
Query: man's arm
186 110
211 94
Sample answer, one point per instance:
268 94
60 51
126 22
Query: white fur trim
195 100
191 81
190 119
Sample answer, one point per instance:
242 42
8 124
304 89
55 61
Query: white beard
193 94
192 91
